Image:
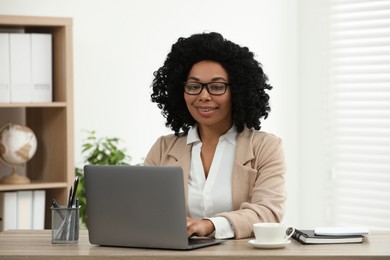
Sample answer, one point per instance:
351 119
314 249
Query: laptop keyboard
199 241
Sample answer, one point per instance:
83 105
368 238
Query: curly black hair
247 80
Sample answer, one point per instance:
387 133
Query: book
309 237
341 231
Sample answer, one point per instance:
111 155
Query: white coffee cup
271 233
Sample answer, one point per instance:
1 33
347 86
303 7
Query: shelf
52 167
12 105
34 185
34 21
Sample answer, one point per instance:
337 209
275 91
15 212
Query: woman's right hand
200 228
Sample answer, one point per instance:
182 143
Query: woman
213 95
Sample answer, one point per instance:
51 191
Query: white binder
5 92
20 53
41 65
8 210
38 209
24 209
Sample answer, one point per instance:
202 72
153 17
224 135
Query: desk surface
34 244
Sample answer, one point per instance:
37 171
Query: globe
18 145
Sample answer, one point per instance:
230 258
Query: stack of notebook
330 235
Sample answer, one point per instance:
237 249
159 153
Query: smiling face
209 110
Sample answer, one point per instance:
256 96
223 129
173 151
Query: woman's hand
201 228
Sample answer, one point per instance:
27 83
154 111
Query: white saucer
267 245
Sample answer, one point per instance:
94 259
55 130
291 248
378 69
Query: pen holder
64 225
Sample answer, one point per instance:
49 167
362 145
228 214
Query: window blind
359 113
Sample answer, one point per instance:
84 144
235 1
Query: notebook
309 237
341 231
138 206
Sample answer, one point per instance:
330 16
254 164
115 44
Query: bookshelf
52 167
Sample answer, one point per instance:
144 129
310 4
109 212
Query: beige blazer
258 190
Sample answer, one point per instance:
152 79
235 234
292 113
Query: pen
54 203
70 198
73 199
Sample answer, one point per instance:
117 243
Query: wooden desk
22 244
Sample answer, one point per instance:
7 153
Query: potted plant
98 151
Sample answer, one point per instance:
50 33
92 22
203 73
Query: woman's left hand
201 228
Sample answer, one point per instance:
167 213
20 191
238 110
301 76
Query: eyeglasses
213 88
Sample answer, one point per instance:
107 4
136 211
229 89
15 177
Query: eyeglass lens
213 88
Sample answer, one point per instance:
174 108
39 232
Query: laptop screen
137 206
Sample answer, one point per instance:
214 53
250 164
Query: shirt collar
193 135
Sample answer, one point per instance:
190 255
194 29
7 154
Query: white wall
119 44
313 171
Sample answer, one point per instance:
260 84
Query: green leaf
98 151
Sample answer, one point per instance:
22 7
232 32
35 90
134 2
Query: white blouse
207 197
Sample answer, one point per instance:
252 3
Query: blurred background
329 63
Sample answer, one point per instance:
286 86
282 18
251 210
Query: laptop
138 206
